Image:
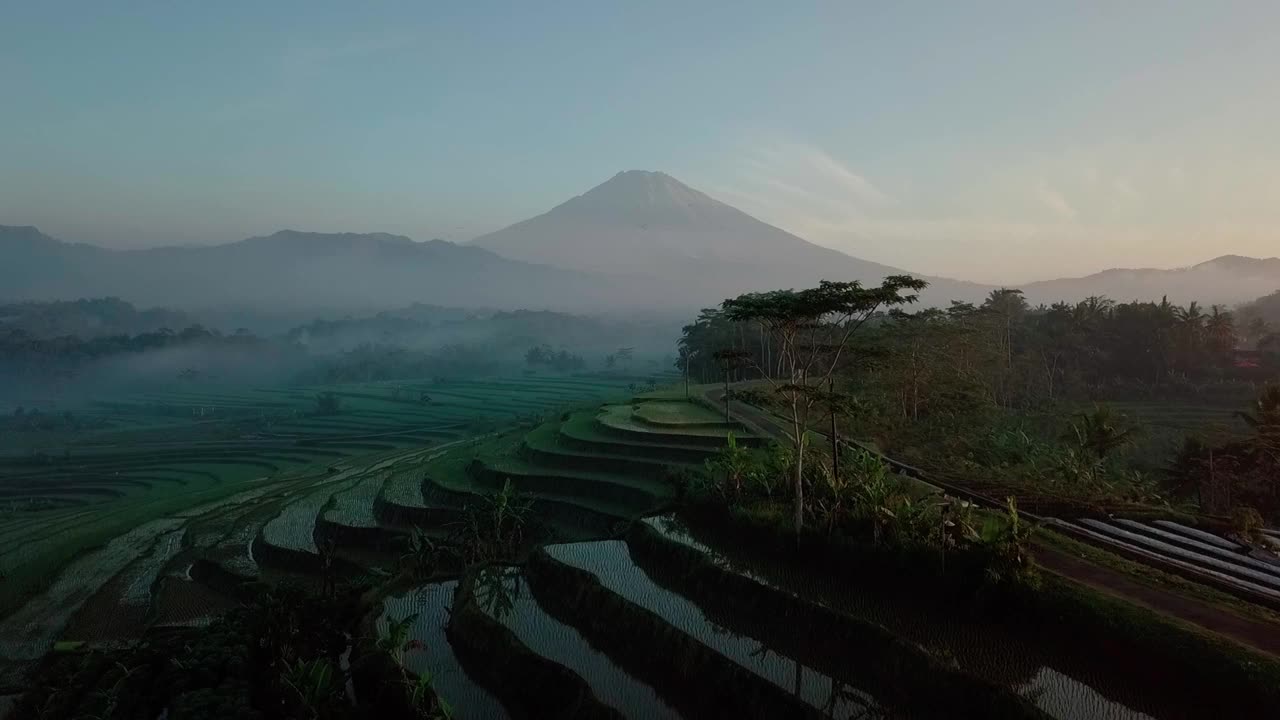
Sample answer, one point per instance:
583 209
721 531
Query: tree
1100 432
328 403
729 360
536 355
1008 307
1256 330
1265 421
813 328
683 362
1220 328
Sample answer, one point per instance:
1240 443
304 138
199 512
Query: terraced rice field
1181 416
229 479
430 604
679 414
583 472
649 645
513 605
629 609
702 635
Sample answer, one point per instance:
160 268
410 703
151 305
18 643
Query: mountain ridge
289 269
641 239
1224 280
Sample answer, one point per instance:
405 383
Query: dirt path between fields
1258 634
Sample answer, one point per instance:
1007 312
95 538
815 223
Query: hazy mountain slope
1267 308
650 224
288 270
1227 280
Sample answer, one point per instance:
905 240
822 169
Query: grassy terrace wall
528 685
616 421
646 646
627 498
895 671
580 433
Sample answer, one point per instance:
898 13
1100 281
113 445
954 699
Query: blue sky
989 141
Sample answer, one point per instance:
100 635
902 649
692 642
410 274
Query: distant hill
650 225
1227 280
1267 308
288 271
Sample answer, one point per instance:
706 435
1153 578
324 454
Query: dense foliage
1015 400
279 656
1019 355
86 318
864 502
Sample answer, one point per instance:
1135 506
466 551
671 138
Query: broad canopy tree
812 329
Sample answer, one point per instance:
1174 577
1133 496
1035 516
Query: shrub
328 403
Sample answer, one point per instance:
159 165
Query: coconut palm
1191 316
1089 312
1265 420
1220 329
1101 432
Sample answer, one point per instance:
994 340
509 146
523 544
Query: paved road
749 415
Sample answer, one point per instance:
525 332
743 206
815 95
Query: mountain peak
645 199
642 222
644 174
634 178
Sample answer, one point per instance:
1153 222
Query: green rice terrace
184 476
625 601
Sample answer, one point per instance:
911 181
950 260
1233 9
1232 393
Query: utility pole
686 378
729 359
835 431
727 418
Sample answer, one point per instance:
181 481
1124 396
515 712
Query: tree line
1014 353
997 391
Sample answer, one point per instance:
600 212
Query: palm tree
1190 333
1090 311
1191 315
1220 327
1265 419
1100 432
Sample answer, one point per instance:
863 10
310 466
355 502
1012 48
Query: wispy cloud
797 183
817 172
1055 201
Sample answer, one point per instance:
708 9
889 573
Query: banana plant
313 683
395 639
